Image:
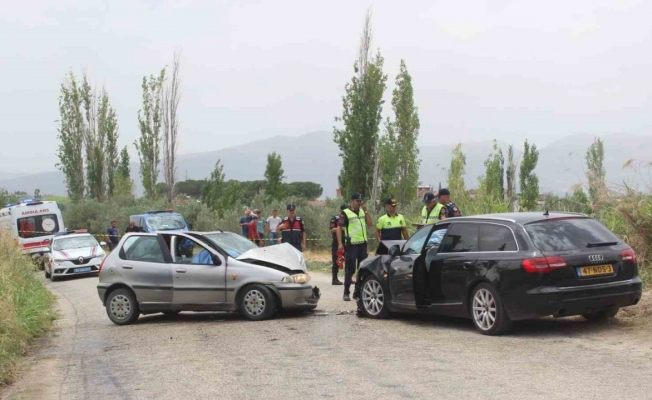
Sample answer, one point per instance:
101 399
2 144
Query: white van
33 223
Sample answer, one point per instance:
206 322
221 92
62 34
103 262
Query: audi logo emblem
596 257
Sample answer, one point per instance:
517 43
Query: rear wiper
601 244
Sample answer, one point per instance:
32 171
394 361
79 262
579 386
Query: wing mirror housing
216 260
394 251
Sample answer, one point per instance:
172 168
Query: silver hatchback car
170 272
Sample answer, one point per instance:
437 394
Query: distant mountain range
315 157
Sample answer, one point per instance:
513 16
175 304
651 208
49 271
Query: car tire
122 307
47 274
257 303
602 315
487 311
372 300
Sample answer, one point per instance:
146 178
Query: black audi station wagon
499 268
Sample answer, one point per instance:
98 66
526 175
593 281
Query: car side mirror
394 251
216 260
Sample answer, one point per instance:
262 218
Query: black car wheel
487 311
602 315
47 274
122 307
257 303
373 299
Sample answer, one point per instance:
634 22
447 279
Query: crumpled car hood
282 256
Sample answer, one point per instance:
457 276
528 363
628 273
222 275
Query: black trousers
334 267
355 254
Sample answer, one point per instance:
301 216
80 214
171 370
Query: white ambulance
33 223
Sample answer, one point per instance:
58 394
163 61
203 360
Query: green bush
25 306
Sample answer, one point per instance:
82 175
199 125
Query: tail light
628 255
101 264
543 264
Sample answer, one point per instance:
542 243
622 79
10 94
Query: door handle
127 267
467 264
181 270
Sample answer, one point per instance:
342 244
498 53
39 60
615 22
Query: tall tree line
377 164
88 135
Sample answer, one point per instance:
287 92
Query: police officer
354 224
293 230
334 227
449 209
391 226
431 210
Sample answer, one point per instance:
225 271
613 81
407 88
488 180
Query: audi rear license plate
85 269
595 270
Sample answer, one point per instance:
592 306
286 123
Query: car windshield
233 244
74 243
170 222
569 234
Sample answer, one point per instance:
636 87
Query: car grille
84 261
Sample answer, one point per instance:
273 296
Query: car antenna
546 213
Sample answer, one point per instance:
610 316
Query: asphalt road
220 355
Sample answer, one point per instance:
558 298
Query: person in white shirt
271 225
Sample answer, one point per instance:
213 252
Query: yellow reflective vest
433 216
356 229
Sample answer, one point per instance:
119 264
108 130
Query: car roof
519 217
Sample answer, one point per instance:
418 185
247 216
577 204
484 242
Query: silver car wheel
373 297
120 307
254 303
484 309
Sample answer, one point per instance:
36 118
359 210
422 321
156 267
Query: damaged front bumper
298 297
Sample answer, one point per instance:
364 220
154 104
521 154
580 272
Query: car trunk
581 251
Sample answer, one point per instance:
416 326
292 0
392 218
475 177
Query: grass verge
25 307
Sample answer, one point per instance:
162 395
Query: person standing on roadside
253 230
260 225
354 224
113 235
334 227
449 209
132 227
292 229
271 225
244 223
430 211
391 226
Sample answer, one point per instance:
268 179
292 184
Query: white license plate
85 269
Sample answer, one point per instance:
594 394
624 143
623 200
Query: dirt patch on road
640 313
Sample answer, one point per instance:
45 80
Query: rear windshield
170 222
37 226
568 234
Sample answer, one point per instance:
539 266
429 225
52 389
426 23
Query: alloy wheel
120 307
373 297
484 309
254 303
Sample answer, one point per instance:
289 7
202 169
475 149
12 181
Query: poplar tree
492 184
529 181
274 176
456 173
71 137
595 170
150 119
